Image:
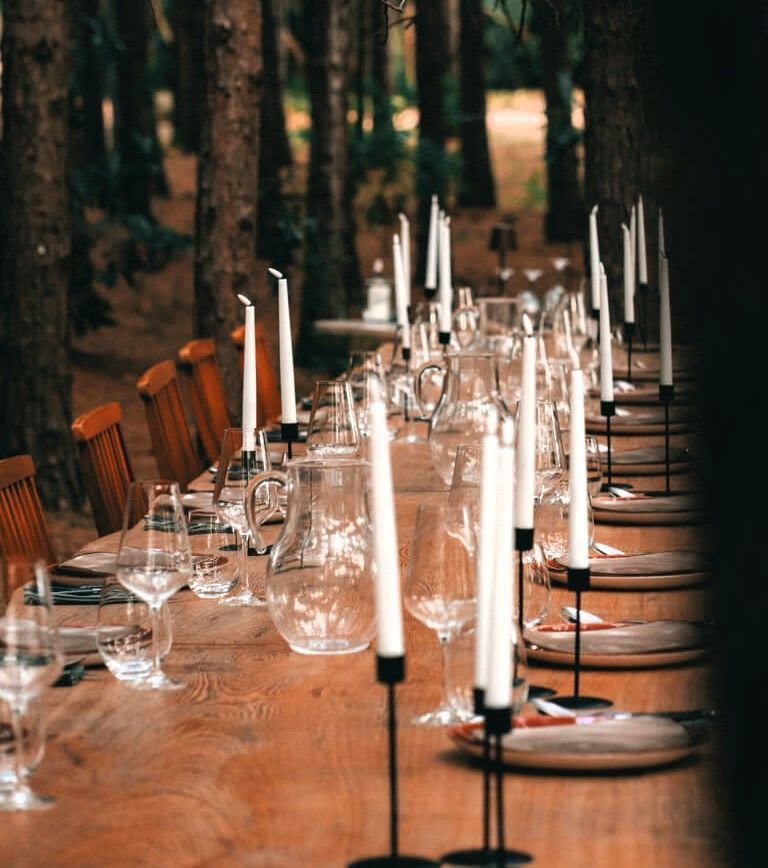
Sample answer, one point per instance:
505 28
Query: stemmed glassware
439 588
594 465
154 560
244 454
30 660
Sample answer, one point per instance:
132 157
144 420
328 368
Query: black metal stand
642 289
498 721
391 671
608 409
666 396
524 543
578 581
430 292
445 339
289 434
629 331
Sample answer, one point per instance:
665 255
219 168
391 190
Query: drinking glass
465 482
154 560
550 456
333 428
439 589
30 660
32 744
365 374
214 569
244 454
594 465
550 520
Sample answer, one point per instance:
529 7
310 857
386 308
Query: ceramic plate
648 660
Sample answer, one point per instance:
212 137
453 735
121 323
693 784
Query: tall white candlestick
526 437
249 375
486 547
578 508
287 383
446 289
498 691
662 241
389 617
606 358
401 305
642 256
629 284
665 325
594 258
430 279
405 247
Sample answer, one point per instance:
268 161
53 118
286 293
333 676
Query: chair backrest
268 405
207 397
23 529
172 445
107 471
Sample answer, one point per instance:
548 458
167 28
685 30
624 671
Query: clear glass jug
320 573
470 389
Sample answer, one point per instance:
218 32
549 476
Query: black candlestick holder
444 338
629 331
430 292
391 671
289 434
578 581
666 397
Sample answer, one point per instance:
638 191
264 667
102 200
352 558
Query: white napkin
644 638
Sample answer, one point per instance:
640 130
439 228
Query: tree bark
381 92
477 188
35 370
330 255
622 156
90 145
188 72
228 178
431 69
564 220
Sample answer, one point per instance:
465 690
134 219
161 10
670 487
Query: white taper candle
642 255
578 509
629 283
401 305
526 435
248 419
287 382
594 258
446 289
430 279
606 357
405 247
665 325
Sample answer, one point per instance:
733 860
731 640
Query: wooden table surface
271 758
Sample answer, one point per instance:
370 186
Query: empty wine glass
333 428
551 521
154 560
594 465
439 589
30 660
465 482
244 454
550 455
32 744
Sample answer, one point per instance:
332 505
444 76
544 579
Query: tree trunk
621 147
228 178
188 72
381 92
477 188
431 68
35 371
88 119
329 257
565 207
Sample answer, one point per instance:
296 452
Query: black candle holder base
489 858
393 862
582 703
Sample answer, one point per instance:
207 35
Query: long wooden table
271 758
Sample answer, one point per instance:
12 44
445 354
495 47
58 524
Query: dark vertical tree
35 369
330 259
477 187
188 72
89 145
431 69
228 177
381 92
564 220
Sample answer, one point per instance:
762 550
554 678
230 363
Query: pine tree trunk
188 72
621 147
565 207
328 257
90 145
228 178
477 187
35 370
381 92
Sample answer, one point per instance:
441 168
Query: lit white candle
606 359
249 375
405 246
486 547
642 256
389 617
446 290
578 509
665 325
526 432
498 690
430 280
594 258
629 284
287 382
401 305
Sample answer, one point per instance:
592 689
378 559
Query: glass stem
154 614
15 714
445 640
245 579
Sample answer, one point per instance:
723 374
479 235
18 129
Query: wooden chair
107 471
23 528
207 397
268 405
175 454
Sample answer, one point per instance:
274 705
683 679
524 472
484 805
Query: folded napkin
646 638
647 503
62 595
644 564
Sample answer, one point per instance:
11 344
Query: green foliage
535 196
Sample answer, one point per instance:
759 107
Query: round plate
647 518
466 738
647 469
598 426
635 583
648 660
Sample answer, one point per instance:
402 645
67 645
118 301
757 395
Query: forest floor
155 317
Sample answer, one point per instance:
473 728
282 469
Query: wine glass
439 589
550 455
594 465
30 660
465 482
551 521
332 428
154 560
244 454
214 568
